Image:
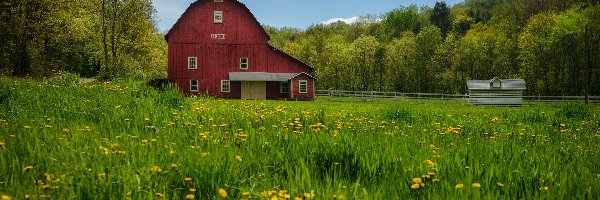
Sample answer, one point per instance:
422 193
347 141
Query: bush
575 111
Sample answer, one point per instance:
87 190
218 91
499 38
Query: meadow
60 139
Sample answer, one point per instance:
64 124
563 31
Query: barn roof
199 1
507 84
263 76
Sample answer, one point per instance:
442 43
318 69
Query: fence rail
440 96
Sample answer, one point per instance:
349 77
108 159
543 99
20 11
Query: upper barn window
192 62
218 17
218 0
243 63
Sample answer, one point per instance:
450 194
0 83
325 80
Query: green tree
440 17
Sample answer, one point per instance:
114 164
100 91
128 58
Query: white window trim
195 62
300 83
228 85
197 86
247 63
218 0
281 88
218 14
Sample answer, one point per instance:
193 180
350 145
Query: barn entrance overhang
263 76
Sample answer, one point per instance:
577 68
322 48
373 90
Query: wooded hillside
553 44
101 38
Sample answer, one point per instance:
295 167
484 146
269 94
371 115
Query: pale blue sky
295 13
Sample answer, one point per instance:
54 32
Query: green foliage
575 111
398 115
66 79
126 140
543 42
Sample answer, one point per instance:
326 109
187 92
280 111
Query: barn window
218 0
192 63
225 86
243 63
218 17
285 87
303 86
193 85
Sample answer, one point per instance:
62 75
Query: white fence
439 96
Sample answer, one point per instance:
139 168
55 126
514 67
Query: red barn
218 48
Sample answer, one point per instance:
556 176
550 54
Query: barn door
254 90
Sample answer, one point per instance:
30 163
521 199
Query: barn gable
220 49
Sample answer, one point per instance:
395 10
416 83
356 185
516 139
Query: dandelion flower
417 180
415 186
6 197
190 196
308 195
26 127
222 192
187 179
476 185
246 195
28 168
159 195
146 119
545 188
238 158
500 184
174 166
156 169
459 186
2 144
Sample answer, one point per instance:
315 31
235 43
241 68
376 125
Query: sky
296 13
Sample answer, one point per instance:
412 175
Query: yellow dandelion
500 184
187 179
415 186
476 185
174 166
26 127
28 168
6 197
459 186
2 144
308 195
159 195
222 192
156 169
146 119
545 188
192 189
190 196
205 154
246 194
417 180
297 198
238 158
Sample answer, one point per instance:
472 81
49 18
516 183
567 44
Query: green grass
108 140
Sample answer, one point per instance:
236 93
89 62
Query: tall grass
129 141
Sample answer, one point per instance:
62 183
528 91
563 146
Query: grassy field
61 140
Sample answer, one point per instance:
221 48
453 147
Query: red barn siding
310 87
244 38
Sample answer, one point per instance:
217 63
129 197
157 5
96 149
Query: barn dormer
496 83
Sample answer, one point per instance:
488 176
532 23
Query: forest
553 44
